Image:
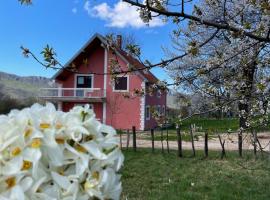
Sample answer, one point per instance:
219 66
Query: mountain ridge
22 87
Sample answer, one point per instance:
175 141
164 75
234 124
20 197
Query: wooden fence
159 139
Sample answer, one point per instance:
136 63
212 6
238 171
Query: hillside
19 87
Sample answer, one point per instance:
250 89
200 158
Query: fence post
134 138
167 138
222 143
254 134
120 132
161 138
153 140
206 144
240 142
179 142
128 137
192 141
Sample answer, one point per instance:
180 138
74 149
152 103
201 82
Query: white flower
48 154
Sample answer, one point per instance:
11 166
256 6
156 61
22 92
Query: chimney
119 41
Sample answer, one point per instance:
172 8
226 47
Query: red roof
133 61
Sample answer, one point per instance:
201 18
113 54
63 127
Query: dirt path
213 143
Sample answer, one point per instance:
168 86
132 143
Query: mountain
22 87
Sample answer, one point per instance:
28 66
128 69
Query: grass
212 124
147 176
172 136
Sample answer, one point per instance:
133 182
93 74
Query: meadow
153 176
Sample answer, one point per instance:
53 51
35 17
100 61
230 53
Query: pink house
92 85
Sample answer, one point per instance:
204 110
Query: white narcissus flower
47 154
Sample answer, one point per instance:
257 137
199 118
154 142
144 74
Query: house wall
119 112
96 106
123 113
95 64
153 101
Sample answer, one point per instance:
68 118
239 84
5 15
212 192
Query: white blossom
48 154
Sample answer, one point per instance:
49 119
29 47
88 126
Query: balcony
73 94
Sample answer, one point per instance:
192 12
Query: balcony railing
85 93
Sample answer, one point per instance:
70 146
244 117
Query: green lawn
147 176
172 136
212 124
215 125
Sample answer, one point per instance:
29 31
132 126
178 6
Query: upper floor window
84 81
121 83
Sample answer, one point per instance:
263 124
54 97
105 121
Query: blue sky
67 25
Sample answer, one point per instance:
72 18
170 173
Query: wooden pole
134 138
161 138
206 144
222 143
254 134
167 139
120 138
153 140
240 143
128 138
192 141
179 142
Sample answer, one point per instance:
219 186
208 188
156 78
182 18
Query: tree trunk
245 102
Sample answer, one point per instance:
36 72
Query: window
158 93
158 109
121 83
164 110
84 81
147 112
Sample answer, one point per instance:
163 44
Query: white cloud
119 15
74 10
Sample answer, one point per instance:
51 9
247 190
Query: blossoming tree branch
220 49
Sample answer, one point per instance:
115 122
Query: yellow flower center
60 140
16 151
28 132
95 175
10 182
58 126
44 125
80 148
36 143
26 165
61 172
88 185
39 190
89 137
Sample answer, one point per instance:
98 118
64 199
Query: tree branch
217 25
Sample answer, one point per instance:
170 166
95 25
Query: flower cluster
47 154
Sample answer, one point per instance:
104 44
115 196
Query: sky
67 25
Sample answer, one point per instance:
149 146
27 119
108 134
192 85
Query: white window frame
147 107
114 90
76 78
